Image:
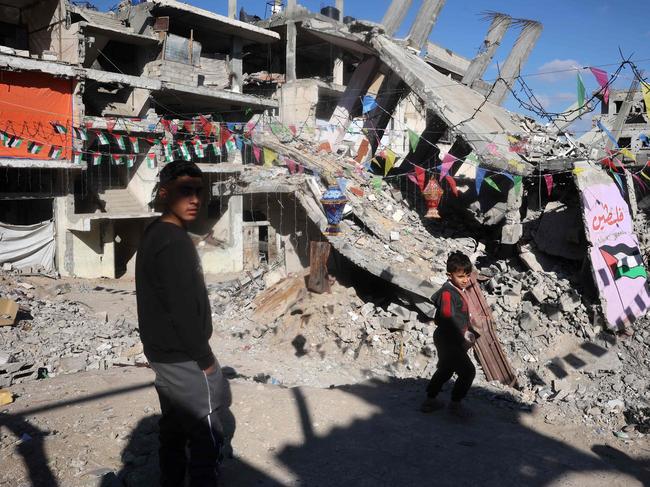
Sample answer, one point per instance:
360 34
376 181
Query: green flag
518 185
581 92
491 182
414 139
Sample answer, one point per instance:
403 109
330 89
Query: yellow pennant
269 157
578 170
628 153
390 161
645 175
645 89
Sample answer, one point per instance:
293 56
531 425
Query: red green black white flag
117 159
77 157
185 152
151 160
15 142
119 139
97 158
198 148
101 138
130 160
56 152
623 261
135 144
58 128
34 148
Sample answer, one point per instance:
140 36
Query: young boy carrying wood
453 337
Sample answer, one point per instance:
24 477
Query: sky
577 33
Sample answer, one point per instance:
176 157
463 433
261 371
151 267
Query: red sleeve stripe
446 304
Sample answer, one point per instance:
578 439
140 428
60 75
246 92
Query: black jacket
173 308
452 313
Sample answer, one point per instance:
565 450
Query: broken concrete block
538 293
398 215
102 316
7 266
5 357
569 302
25 285
366 309
68 365
528 322
399 311
394 236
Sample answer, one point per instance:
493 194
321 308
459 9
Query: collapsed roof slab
122 35
41 164
485 130
215 22
213 97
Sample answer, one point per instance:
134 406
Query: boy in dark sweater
453 337
175 325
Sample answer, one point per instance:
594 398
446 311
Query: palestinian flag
215 148
77 157
623 261
167 150
198 148
56 152
101 138
15 142
185 152
117 159
188 125
119 139
97 158
4 138
130 160
80 133
151 160
135 144
58 128
231 145
34 148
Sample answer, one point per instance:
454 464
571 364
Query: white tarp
28 245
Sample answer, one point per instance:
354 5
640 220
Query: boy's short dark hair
457 261
178 168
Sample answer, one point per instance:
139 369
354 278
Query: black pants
193 405
451 358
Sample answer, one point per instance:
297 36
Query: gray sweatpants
194 408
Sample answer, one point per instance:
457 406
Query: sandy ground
84 425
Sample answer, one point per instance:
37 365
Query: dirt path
85 425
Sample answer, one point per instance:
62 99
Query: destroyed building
278 111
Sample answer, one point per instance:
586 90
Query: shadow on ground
399 446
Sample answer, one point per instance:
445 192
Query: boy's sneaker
458 410
431 404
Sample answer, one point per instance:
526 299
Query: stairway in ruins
120 201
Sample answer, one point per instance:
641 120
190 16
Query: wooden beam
318 278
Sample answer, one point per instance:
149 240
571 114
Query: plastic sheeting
28 245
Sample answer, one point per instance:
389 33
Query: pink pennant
603 78
293 129
291 164
256 153
549 183
447 162
640 181
492 148
301 169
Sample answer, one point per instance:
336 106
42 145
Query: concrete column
424 21
516 59
339 6
350 100
388 97
478 66
291 52
337 70
395 15
513 229
237 66
232 9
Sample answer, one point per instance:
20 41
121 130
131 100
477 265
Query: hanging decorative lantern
333 202
432 195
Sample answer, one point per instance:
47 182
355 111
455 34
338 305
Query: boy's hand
470 340
210 370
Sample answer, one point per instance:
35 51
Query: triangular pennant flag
508 175
101 138
639 180
135 144
55 152
59 128
130 160
206 125
581 91
291 165
239 142
185 152
119 139
198 147
269 157
167 150
188 125
293 130
518 180
166 124
256 153
491 183
608 133
578 170
644 138
80 133
216 149
343 183
110 125
301 168
414 139
15 142
645 89
117 159
628 153
548 178
472 158
231 145
480 175
492 149
151 160
390 161
368 104
4 138
77 157
420 176
34 148
447 161
376 183
97 158
452 185
603 79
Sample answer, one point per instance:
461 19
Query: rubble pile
61 337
